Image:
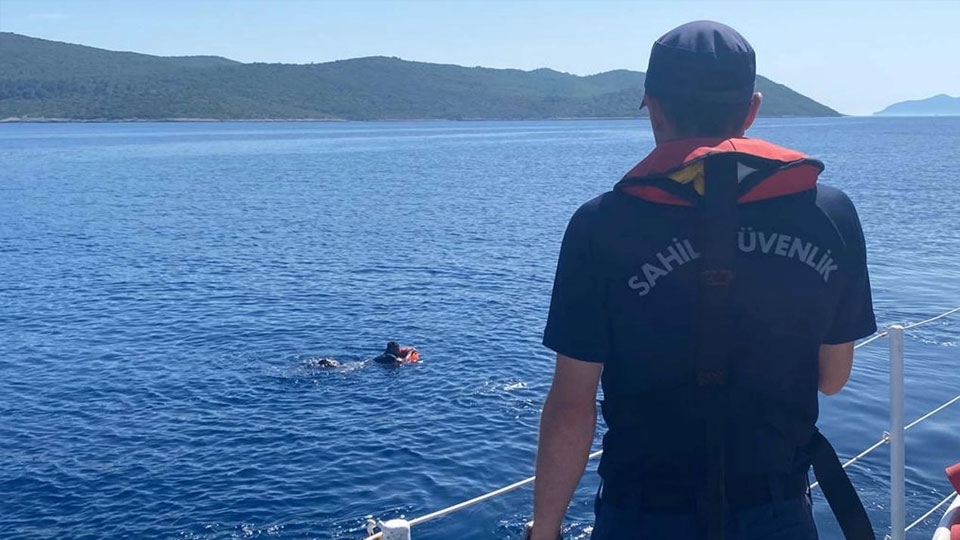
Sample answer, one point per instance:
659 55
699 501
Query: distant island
939 105
50 80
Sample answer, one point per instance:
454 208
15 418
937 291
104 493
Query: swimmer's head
393 348
323 362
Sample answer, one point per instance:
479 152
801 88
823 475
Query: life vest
715 175
414 355
674 172
408 355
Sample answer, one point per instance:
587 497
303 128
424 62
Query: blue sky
854 56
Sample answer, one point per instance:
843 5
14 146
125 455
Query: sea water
166 291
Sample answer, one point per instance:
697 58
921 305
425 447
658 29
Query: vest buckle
717 278
711 378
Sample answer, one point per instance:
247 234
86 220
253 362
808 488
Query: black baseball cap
702 61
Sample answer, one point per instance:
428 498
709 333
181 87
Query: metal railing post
897 449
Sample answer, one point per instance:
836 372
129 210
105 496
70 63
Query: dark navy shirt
626 295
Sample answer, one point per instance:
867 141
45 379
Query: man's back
635 308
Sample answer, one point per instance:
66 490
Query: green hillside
48 79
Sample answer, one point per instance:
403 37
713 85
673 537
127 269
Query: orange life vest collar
673 172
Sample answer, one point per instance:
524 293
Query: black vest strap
718 238
839 491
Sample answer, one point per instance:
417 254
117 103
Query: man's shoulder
842 214
834 201
386 358
604 209
592 208
836 205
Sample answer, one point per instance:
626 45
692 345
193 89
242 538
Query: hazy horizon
855 57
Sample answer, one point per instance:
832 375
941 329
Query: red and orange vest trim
673 172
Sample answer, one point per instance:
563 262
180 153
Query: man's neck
667 137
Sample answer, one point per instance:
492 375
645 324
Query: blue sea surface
164 289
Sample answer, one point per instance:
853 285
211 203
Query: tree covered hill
939 105
48 79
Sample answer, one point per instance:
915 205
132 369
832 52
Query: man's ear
657 121
755 102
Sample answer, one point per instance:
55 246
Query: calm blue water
164 286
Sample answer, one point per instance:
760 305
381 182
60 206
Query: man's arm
567 426
853 316
836 361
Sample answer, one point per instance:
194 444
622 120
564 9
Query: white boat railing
399 529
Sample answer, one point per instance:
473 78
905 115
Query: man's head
700 83
393 348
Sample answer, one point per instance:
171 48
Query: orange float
409 355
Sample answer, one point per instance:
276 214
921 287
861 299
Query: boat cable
931 511
931 319
481 498
885 439
883 334
933 412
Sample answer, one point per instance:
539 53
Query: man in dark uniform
626 308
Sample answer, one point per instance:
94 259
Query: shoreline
28 120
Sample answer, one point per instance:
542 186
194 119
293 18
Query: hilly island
46 80
939 105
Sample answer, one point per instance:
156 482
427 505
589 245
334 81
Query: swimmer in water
322 363
395 354
328 363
